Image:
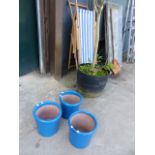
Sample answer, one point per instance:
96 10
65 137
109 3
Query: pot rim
42 104
87 113
70 92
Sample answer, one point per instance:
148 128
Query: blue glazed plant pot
82 127
47 115
70 102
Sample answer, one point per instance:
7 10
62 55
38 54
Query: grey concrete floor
114 110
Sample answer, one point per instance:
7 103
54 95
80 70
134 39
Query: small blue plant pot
70 102
82 127
47 115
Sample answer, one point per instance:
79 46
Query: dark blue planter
90 83
70 102
82 126
47 115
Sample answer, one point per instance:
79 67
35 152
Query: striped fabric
86 18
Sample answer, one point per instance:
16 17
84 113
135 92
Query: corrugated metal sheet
86 18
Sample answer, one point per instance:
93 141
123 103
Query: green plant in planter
98 70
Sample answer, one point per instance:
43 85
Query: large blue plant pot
70 102
47 115
82 127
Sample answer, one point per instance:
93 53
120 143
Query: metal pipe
40 37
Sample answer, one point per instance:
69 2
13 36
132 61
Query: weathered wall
28 44
123 3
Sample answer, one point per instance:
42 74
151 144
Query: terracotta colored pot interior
47 112
83 122
71 99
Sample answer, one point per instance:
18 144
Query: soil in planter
83 122
48 112
71 99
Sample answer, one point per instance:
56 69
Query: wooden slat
56 37
59 4
52 35
80 5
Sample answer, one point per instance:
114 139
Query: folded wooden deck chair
82 35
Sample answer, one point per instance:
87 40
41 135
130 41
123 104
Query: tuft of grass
98 70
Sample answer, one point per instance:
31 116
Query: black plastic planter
90 83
